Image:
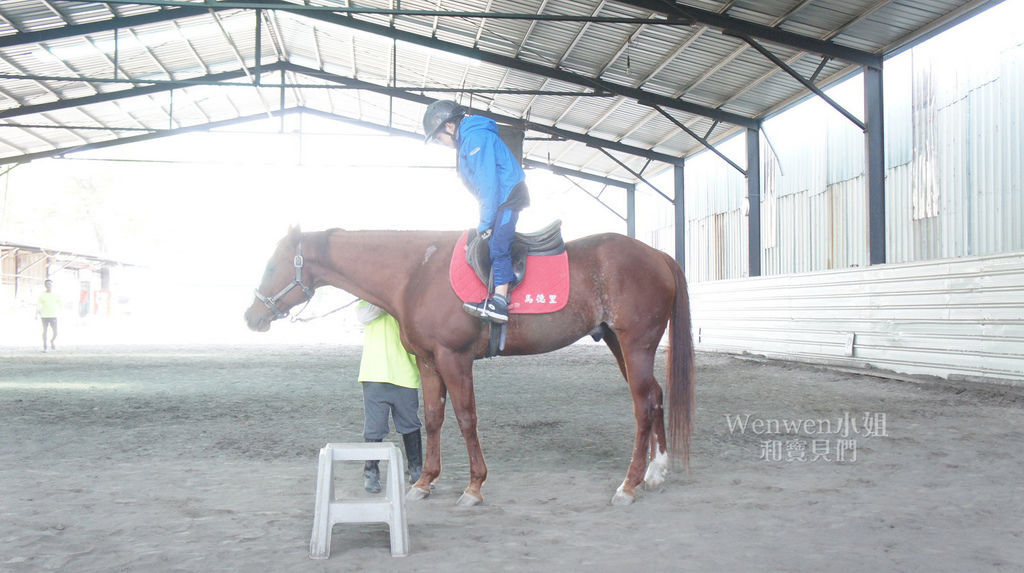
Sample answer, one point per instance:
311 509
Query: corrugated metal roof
112 70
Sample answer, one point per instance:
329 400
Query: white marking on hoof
468 500
621 497
657 471
416 494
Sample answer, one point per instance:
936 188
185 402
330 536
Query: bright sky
203 211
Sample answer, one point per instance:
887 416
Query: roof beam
703 141
155 134
355 84
217 124
564 171
550 130
636 174
640 95
672 20
804 81
100 26
205 81
773 34
644 97
114 95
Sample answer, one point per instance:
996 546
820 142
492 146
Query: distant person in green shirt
47 308
391 382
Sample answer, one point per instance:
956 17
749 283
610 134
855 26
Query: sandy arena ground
164 458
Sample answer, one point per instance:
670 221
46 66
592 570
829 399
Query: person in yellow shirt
47 308
391 381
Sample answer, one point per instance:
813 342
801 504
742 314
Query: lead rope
342 307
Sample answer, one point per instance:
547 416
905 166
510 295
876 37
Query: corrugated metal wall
951 318
950 301
954 132
21 275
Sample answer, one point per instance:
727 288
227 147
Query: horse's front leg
433 412
457 373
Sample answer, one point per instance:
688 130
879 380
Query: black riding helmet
439 113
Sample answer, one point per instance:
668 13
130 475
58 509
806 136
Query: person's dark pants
380 400
52 324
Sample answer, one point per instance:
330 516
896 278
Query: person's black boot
414 454
371 474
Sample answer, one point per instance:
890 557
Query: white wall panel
951 318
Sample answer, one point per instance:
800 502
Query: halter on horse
271 301
621 290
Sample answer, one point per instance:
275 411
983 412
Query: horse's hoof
622 498
416 494
468 500
657 471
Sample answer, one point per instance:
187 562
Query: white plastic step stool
329 511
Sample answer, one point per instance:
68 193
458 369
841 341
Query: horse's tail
681 372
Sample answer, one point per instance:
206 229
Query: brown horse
621 290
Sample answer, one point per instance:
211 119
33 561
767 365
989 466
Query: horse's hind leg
613 344
638 365
655 472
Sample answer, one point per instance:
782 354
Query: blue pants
501 245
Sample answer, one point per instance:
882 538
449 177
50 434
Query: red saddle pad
545 288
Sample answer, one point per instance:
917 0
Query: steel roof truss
529 67
565 171
152 134
736 26
160 86
634 173
595 197
804 81
473 53
99 26
702 140
154 86
550 130
349 11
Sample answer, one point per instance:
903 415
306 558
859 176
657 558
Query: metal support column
753 203
875 168
631 211
680 208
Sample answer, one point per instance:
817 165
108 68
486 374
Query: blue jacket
486 166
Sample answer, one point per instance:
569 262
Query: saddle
545 242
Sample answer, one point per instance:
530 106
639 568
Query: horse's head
277 292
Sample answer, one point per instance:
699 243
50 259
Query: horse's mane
324 241
320 241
